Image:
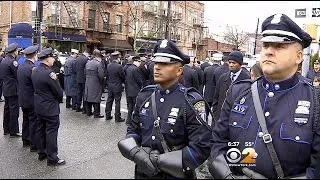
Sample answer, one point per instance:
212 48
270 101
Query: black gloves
143 160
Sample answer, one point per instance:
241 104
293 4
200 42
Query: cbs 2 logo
234 155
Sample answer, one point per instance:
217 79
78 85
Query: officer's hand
252 175
142 159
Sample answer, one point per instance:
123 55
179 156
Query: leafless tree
235 37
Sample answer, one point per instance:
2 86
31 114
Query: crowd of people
170 97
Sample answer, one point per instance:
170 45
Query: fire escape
71 14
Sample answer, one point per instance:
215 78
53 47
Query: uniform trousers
29 127
47 132
131 102
80 96
96 108
113 96
70 99
11 115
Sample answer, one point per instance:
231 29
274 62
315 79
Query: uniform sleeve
313 172
198 149
216 98
134 129
121 73
55 86
14 68
220 133
74 67
137 77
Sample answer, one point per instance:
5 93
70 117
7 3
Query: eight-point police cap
166 51
30 50
47 52
279 28
12 47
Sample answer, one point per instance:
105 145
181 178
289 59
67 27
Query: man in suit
190 76
235 74
205 64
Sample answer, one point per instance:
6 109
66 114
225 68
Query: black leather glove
252 175
142 159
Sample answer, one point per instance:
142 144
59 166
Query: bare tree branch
234 37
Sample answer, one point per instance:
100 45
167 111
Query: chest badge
172 118
243 100
303 107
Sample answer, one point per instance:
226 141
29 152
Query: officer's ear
299 48
179 69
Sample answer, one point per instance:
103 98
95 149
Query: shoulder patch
15 63
53 75
193 95
149 88
200 108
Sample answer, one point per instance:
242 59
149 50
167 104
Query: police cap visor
165 60
277 39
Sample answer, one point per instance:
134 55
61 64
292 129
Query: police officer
115 79
70 85
26 101
190 76
94 84
287 104
315 71
133 84
9 67
47 96
144 69
150 67
167 137
197 68
80 65
2 55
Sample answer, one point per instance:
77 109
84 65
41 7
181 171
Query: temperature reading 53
248 144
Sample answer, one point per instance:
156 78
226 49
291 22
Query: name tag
239 108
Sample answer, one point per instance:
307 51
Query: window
156 4
119 23
106 17
165 5
91 19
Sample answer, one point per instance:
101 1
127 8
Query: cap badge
164 43
276 19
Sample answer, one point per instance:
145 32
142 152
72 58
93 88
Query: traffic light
312 30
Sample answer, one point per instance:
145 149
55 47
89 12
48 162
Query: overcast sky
245 14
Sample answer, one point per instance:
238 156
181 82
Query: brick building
211 46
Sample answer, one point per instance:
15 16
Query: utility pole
255 39
39 23
167 33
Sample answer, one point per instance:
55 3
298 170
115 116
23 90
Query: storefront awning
64 37
21 30
115 44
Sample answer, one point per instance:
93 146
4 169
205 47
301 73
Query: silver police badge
15 63
302 108
201 109
53 76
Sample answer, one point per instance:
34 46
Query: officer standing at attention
9 67
275 116
167 137
115 79
47 96
26 101
70 82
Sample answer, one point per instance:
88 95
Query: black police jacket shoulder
133 80
47 91
25 90
115 76
80 65
9 67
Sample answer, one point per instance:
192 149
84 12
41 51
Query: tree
235 37
138 22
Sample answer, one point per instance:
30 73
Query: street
88 145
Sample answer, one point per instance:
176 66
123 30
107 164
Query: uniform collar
282 85
168 90
44 65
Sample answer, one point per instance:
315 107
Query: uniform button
171 130
140 124
167 91
153 137
297 138
235 123
276 87
161 100
158 118
267 114
260 134
267 86
188 168
271 94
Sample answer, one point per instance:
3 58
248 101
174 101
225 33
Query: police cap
115 53
96 52
30 50
12 47
142 54
136 58
166 51
47 52
280 28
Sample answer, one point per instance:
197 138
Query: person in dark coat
9 67
205 64
209 86
220 70
315 71
133 84
57 68
26 101
70 87
80 65
2 56
47 96
115 79
144 68
235 74
125 60
190 76
94 84
199 71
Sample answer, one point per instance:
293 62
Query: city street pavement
88 145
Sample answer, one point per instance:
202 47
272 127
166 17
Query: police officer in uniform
315 71
287 105
115 79
190 76
9 67
26 101
167 137
133 84
47 96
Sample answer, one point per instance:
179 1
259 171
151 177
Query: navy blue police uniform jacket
9 67
25 90
48 93
179 125
288 107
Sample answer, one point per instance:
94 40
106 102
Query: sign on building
315 12
301 13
